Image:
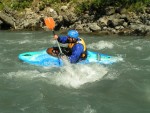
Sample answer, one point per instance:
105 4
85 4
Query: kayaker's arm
62 39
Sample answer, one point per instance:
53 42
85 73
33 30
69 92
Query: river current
123 87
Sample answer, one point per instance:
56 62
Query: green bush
54 1
81 5
21 4
100 4
1 6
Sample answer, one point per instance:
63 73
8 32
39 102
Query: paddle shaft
58 44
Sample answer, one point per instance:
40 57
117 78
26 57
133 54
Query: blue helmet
73 34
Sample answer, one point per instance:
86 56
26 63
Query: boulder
140 29
50 12
64 8
70 18
115 22
94 27
7 19
1 22
102 21
110 10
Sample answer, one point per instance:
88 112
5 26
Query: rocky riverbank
114 20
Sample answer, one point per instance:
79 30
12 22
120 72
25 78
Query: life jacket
81 41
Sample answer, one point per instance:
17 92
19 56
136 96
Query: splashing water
88 109
77 75
70 75
100 45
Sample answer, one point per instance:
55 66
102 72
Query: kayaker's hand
55 37
64 57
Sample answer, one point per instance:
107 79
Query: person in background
76 49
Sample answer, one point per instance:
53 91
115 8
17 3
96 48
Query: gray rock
148 10
50 12
115 22
102 21
64 8
79 27
94 26
105 28
140 29
7 19
110 10
87 29
148 33
147 22
125 24
119 27
148 16
1 22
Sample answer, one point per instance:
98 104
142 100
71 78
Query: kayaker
76 49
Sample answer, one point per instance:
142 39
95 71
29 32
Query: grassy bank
80 5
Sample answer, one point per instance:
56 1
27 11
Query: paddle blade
50 23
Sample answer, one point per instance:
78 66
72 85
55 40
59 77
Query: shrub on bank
21 4
81 5
134 5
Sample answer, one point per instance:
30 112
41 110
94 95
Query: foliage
81 5
15 4
134 5
48 2
20 4
138 7
1 6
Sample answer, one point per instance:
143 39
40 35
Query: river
123 87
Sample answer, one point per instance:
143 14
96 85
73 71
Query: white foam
24 41
25 33
52 41
25 75
100 45
138 48
112 75
88 109
71 76
119 58
77 75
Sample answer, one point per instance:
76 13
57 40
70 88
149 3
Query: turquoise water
119 88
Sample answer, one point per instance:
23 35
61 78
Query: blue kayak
42 58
